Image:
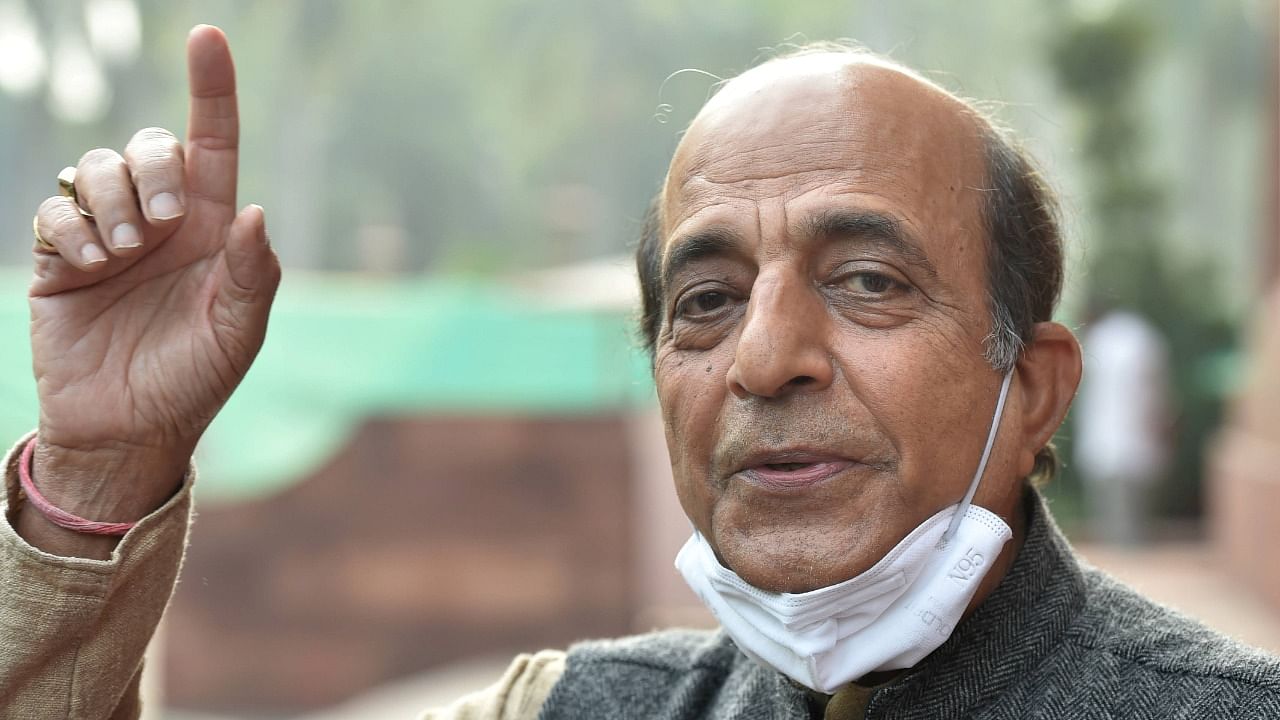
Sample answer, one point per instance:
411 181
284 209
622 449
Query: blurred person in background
1122 446
848 282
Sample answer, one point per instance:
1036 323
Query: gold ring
42 245
67 186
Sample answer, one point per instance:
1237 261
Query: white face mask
886 618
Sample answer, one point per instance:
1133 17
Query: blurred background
448 450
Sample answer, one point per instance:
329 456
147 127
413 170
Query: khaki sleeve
518 695
72 630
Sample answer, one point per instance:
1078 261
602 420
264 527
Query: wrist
118 483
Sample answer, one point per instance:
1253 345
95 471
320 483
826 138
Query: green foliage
1099 64
1098 61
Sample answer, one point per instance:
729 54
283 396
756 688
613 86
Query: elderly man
848 282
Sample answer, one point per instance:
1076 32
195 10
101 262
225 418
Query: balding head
809 111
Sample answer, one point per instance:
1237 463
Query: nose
782 347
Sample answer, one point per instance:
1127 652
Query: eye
709 301
700 304
870 283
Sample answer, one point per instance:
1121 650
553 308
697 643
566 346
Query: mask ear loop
982 464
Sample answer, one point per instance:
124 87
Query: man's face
820 360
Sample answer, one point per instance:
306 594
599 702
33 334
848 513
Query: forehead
829 125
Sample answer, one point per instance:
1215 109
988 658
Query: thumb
251 264
250 277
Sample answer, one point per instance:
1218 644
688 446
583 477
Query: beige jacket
73 631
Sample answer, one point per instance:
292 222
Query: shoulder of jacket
1122 623
674 651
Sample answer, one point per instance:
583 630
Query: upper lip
779 456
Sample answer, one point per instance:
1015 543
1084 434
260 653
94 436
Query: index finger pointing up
213 126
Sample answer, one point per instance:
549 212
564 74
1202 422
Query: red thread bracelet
57 516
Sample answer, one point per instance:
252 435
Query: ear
1048 375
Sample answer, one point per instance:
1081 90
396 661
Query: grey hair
1025 262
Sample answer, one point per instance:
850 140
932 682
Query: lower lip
798 479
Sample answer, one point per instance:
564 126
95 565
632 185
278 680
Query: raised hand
145 318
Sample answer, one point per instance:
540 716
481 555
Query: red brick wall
426 540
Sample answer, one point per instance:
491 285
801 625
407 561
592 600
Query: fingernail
165 206
125 236
91 254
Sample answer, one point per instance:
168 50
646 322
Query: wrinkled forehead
828 120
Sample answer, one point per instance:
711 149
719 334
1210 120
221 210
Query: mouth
791 471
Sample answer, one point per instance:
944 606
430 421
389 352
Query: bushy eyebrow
686 250
869 226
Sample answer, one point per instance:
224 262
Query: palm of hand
145 357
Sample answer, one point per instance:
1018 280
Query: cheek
928 392
691 391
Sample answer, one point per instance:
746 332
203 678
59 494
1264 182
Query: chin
792 564
791 581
